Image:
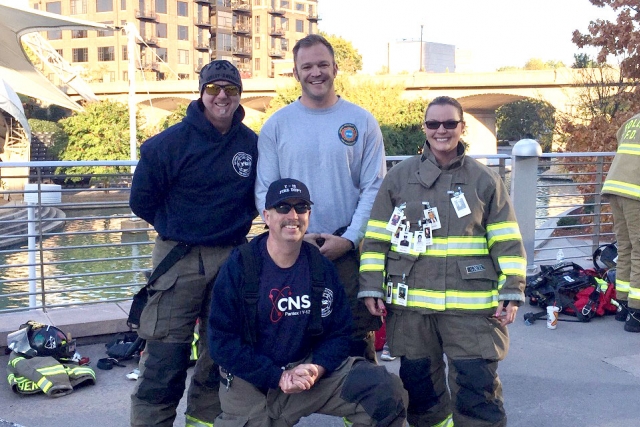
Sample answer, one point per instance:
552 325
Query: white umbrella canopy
10 102
15 67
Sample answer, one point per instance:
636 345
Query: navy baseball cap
284 189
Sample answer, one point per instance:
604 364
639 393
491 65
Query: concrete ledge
86 321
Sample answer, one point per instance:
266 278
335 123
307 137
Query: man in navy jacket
194 184
279 366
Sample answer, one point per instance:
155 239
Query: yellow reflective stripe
44 384
447 422
450 299
513 265
194 422
622 188
502 279
634 293
622 285
633 149
377 230
15 361
372 261
80 370
52 370
502 232
453 246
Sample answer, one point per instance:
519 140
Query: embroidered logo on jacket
348 133
242 164
475 268
327 302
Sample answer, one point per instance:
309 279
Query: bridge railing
88 247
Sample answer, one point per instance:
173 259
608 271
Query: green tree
175 117
582 60
100 132
347 57
526 118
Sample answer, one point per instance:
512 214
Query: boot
632 324
621 312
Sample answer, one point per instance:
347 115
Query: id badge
403 294
389 292
404 246
460 205
395 219
396 237
432 218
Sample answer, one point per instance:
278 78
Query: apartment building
179 37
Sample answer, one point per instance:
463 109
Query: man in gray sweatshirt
336 148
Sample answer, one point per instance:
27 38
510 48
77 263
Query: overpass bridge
479 93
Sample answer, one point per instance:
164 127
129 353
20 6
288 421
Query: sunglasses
449 124
285 208
214 89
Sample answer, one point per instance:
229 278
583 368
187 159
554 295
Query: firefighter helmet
48 340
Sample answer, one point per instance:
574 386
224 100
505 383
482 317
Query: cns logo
242 164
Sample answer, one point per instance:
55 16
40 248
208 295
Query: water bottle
560 256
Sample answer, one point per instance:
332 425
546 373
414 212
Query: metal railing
90 248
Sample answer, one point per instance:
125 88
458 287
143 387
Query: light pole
421 69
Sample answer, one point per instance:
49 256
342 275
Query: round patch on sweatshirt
242 164
348 133
327 302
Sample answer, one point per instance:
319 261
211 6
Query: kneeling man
280 331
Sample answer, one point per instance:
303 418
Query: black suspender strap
178 252
317 289
250 291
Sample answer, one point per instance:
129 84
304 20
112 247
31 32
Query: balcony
241 6
150 66
276 53
202 21
276 32
242 51
277 12
312 16
206 1
147 40
146 14
242 29
201 44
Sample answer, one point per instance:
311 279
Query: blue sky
497 32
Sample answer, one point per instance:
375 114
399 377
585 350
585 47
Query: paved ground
580 374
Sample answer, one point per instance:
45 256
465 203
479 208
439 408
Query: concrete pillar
481 132
524 178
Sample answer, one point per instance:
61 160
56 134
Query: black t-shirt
284 309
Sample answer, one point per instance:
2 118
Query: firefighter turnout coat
471 262
623 178
45 375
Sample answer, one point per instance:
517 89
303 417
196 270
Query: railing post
524 178
597 200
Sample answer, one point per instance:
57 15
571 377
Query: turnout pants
626 220
363 393
364 324
473 345
180 296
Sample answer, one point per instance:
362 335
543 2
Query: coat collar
429 170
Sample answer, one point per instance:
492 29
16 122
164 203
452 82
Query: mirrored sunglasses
285 208
449 124
214 89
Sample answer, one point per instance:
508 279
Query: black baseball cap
284 189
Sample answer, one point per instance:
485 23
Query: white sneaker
386 355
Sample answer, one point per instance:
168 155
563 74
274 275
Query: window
183 76
224 42
106 53
123 4
59 52
257 64
104 5
257 24
300 7
183 8
80 54
78 34
284 4
299 26
183 32
106 33
161 6
161 53
78 6
225 20
257 42
284 24
257 2
161 30
54 7
183 56
125 53
125 76
284 45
